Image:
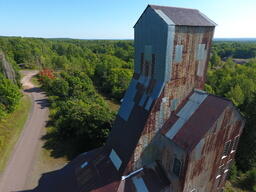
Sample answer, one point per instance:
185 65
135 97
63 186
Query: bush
9 95
233 173
249 180
81 117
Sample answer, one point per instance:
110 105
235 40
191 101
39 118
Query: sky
114 19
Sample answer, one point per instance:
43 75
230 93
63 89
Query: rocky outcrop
7 69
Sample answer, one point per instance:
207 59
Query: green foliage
112 76
81 115
77 119
238 83
117 82
233 173
246 156
236 95
66 54
208 89
248 181
235 49
9 95
215 60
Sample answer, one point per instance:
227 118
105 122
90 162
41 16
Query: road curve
20 163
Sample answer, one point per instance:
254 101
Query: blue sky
113 19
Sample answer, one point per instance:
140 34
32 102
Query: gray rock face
6 68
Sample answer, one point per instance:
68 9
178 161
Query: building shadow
74 178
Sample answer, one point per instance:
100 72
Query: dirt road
19 166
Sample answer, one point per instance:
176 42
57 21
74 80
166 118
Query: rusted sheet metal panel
200 122
207 157
183 80
186 112
149 178
164 151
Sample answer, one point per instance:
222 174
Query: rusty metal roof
94 171
193 127
184 16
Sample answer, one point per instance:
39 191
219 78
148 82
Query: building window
218 182
235 144
147 61
200 52
177 167
228 165
178 53
220 171
227 149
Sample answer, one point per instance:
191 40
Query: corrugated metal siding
206 157
151 30
183 79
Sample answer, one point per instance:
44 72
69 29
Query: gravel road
19 165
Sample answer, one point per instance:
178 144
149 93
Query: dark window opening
229 163
227 148
177 167
220 170
235 143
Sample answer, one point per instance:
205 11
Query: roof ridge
172 7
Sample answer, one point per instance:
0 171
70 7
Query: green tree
9 95
215 60
236 95
117 82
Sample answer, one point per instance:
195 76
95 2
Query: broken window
177 167
235 143
228 165
220 171
227 148
218 181
147 60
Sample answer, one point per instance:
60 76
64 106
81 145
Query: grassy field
10 129
44 163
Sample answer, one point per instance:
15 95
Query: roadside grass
35 81
10 129
44 163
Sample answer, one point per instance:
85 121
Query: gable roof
197 116
182 16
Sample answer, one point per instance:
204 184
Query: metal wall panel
207 156
128 103
139 184
115 159
178 53
152 30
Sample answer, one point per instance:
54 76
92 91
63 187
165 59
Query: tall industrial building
169 134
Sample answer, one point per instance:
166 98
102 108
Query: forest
78 76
